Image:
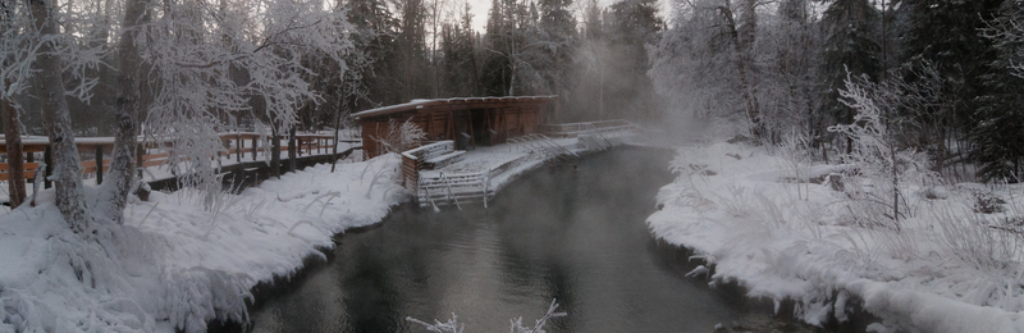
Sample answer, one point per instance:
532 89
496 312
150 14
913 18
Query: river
574 232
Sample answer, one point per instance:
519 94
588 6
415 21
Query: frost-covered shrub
988 203
884 164
401 136
453 326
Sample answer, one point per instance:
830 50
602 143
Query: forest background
936 82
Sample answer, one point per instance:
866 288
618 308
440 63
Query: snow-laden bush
883 164
516 326
401 136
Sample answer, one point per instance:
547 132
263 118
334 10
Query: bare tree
70 198
12 123
200 44
122 165
741 56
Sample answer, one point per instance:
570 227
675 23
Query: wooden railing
572 130
414 160
153 154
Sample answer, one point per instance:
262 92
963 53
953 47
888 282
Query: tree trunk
122 164
12 128
292 150
70 199
337 127
15 158
275 153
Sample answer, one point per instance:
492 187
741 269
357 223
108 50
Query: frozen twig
453 326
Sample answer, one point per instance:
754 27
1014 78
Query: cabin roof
462 102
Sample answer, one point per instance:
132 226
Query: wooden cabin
469 121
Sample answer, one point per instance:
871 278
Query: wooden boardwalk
440 175
245 149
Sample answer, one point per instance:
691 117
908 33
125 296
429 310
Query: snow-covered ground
181 259
766 221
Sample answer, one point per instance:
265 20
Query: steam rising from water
575 236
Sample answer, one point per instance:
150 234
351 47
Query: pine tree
375 37
458 48
850 46
999 134
410 62
495 74
634 25
945 33
558 30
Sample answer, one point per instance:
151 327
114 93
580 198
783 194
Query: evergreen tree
945 33
850 45
999 133
495 72
458 47
411 64
634 24
375 37
558 30
513 46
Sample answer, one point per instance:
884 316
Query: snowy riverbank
767 222
179 261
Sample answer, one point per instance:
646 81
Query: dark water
575 236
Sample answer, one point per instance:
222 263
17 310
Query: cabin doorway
460 120
480 131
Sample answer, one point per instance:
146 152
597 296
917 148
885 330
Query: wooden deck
237 148
440 175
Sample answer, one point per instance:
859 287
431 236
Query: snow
497 166
181 259
771 222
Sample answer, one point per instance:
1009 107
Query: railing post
99 164
254 148
238 148
291 150
140 150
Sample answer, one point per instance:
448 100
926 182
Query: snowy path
764 222
181 259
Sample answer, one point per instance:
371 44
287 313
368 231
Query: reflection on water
576 236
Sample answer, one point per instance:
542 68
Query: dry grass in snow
788 229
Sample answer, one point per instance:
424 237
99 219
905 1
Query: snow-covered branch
453 326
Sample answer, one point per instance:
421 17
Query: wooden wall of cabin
373 128
516 121
507 121
437 124
378 127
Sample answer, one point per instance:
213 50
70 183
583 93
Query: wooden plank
92 163
26 166
26 148
28 175
92 169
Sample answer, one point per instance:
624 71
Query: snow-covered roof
422 103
